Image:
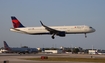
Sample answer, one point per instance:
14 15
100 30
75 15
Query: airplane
50 30
3 50
19 50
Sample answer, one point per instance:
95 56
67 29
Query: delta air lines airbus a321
51 30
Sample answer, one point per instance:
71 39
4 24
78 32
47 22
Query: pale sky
51 13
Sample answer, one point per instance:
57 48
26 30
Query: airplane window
90 27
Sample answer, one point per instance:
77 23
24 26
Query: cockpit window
90 27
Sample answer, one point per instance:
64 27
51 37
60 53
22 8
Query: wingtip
41 22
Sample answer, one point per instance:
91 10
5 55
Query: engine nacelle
61 34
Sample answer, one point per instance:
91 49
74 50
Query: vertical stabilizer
6 46
16 22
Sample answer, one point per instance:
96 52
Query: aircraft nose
93 30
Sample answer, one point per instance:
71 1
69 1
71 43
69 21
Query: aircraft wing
51 30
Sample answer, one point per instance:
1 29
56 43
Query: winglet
41 23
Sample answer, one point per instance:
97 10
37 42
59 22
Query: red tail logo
16 23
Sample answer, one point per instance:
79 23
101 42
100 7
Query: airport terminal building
53 51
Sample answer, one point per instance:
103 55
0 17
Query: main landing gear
85 35
53 36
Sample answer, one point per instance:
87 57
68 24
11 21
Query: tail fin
16 23
6 46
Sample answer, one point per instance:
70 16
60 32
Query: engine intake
61 34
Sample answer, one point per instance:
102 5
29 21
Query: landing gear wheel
53 37
85 35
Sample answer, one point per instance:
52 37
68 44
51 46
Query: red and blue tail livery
6 46
16 23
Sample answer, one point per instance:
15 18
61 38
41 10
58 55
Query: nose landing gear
85 35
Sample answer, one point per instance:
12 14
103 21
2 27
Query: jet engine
61 34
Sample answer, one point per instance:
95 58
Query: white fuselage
80 29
